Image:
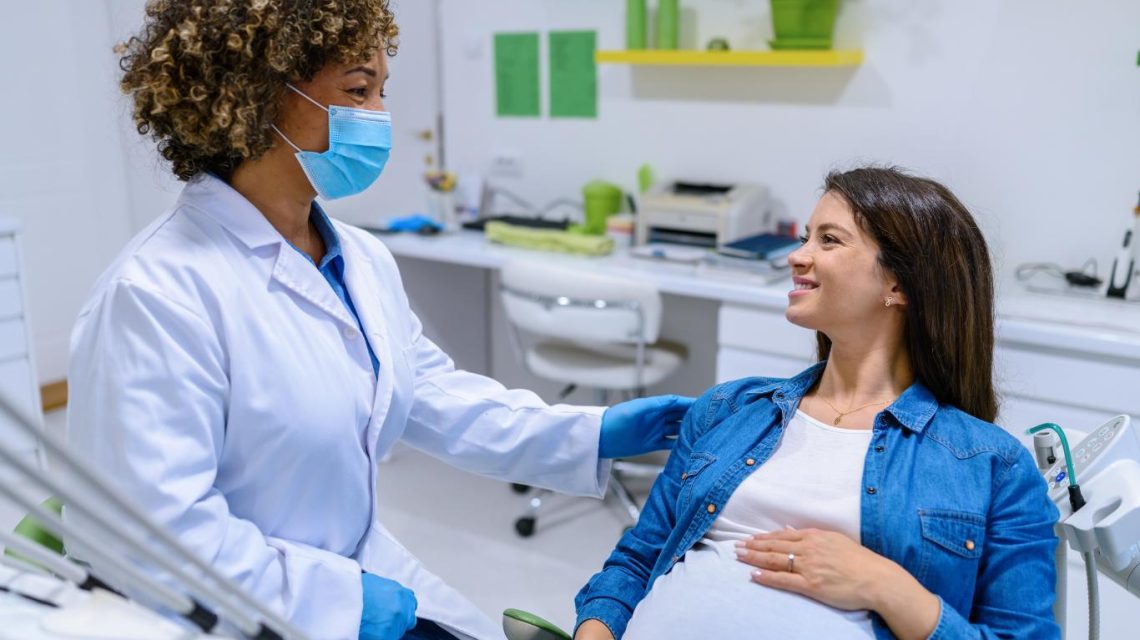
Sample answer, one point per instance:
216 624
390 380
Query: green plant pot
803 24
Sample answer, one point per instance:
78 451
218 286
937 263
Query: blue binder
764 246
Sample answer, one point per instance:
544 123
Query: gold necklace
849 411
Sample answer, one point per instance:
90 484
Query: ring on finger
791 563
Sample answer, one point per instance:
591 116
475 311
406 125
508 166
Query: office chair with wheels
588 330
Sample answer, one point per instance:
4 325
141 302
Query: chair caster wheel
519 488
525 527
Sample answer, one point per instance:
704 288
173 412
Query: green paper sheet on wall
516 74
573 74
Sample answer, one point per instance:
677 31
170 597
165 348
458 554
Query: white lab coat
220 383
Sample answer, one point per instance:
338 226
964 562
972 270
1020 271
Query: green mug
600 201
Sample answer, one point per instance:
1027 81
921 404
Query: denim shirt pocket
952 545
698 462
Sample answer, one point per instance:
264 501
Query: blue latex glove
417 223
642 425
389 609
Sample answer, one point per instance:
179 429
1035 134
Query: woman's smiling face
838 284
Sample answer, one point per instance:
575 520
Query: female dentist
245 360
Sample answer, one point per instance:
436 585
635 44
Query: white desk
469 248
1069 361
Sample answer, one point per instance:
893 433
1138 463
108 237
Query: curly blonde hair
206 76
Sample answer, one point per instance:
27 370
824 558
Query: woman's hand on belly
593 630
833 569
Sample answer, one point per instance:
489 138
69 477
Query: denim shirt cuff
615 615
951 625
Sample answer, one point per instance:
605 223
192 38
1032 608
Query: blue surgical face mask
359 144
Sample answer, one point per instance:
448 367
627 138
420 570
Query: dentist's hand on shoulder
389 609
642 425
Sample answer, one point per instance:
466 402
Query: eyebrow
829 226
362 69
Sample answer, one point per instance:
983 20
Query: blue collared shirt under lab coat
332 268
956 501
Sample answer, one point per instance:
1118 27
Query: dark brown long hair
929 241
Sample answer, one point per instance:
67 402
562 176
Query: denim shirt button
712 508
871 490
750 462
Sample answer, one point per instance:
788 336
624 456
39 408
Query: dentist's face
839 287
357 85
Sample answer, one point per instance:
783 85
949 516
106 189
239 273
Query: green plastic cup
600 200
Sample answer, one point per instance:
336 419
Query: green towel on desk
548 239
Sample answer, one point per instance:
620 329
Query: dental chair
520 625
584 329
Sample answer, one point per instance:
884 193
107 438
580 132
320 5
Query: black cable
1076 278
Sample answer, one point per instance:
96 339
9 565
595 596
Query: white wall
61 167
1028 109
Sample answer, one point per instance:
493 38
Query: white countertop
1107 328
471 248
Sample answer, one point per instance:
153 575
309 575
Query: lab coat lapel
213 197
298 274
363 286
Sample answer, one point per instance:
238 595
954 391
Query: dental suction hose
1076 501
1094 595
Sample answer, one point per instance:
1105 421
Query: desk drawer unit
759 341
1052 385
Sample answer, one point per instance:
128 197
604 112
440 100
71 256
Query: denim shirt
954 500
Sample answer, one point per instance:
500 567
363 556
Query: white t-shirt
813 479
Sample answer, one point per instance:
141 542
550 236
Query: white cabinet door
733 363
1016 414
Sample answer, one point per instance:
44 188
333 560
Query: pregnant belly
710 594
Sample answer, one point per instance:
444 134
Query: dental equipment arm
1106 530
52 562
274 626
163 595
